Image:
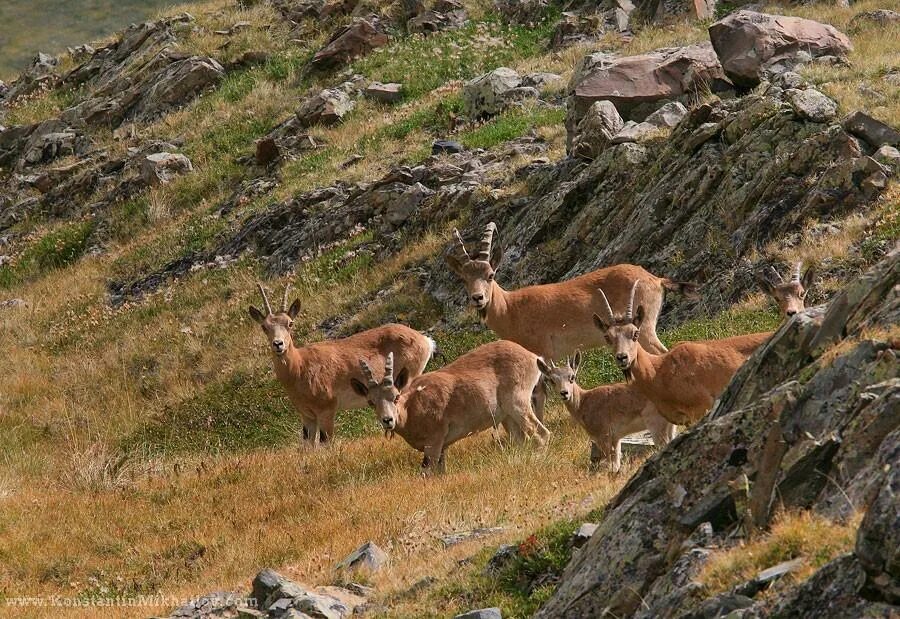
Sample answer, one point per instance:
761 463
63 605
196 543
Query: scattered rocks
484 613
444 15
871 130
326 107
160 168
484 95
357 39
596 130
367 557
583 534
386 93
749 43
811 105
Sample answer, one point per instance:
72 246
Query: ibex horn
284 298
265 299
795 275
367 372
460 246
629 310
388 370
606 307
775 276
486 240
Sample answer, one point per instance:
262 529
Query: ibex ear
401 379
496 254
294 309
807 280
598 322
543 367
257 315
359 388
576 361
454 263
638 317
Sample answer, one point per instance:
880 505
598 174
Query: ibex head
477 273
622 331
563 377
790 295
277 327
382 395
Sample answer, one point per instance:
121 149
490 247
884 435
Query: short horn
367 372
460 247
629 310
487 239
284 298
388 370
795 274
606 308
775 276
265 298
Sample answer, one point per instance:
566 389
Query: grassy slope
147 449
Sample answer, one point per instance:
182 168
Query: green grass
55 250
509 125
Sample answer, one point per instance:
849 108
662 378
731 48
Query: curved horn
367 372
388 370
629 310
609 313
460 246
484 253
284 298
795 274
265 299
775 276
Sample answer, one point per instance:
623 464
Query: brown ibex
790 295
317 377
608 413
490 385
684 383
554 320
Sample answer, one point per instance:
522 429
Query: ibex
607 413
554 320
684 383
490 385
790 295
317 377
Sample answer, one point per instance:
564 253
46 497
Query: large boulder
635 84
749 44
357 39
485 95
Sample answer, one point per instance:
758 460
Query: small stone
386 93
13 303
249 613
160 168
442 147
888 156
668 115
483 613
368 556
483 96
503 557
872 131
267 151
451 539
327 107
540 79
812 104
583 534
634 132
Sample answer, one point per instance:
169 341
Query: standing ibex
789 295
607 413
490 385
317 376
554 320
684 383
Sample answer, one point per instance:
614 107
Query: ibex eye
491 277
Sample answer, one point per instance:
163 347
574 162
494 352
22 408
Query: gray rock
811 104
160 168
596 130
12 303
583 534
668 115
367 557
503 557
484 95
404 203
888 156
540 79
872 131
440 147
326 107
458 537
484 613
386 93
520 93
880 18
353 41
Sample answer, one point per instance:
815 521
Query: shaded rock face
809 417
632 82
748 43
701 205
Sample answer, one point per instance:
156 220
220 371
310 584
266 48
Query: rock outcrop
811 421
357 39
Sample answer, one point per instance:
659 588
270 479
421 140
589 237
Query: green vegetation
509 125
56 249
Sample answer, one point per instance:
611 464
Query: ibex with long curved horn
789 295
608 413
317 377
490 385
683 383
554 320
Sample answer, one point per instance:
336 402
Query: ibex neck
643 370
573 404
289 364
497 308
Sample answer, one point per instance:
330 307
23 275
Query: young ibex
684 383
790 295
317 376
490 385
554 320
607 413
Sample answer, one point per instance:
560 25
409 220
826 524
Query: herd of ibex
504 383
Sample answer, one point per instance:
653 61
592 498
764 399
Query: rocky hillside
149 180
